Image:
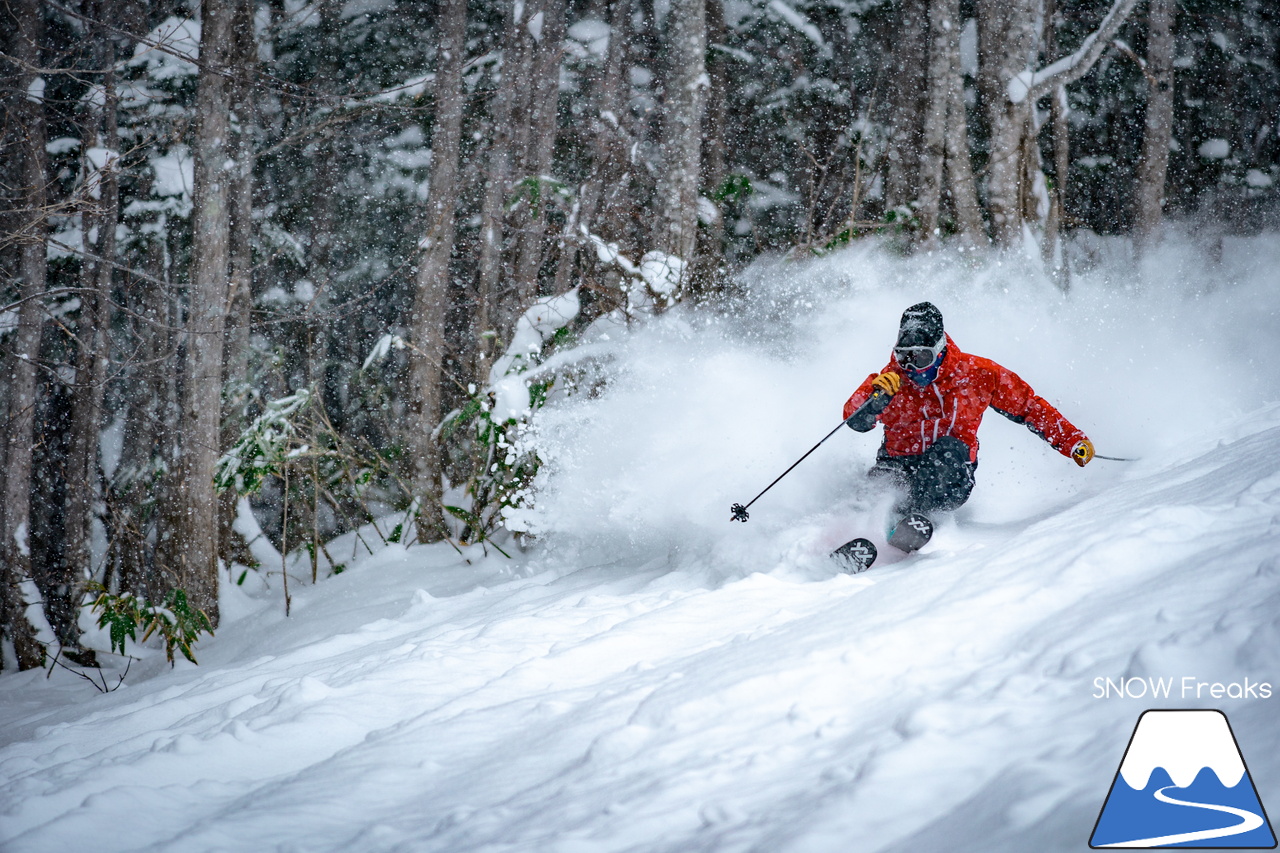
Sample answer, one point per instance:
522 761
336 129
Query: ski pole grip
864 419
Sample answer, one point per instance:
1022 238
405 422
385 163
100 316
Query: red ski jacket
954 403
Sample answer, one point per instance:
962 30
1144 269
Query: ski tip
911 533
855 556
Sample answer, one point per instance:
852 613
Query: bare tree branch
1068 69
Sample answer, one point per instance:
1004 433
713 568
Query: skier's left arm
1015 399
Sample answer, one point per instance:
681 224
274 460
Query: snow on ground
654 678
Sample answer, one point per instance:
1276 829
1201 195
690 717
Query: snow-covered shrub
489 426
264 448
501 469
322 473
175 621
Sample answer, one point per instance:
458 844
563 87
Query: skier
933 400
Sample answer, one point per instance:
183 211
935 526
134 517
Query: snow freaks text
1187 687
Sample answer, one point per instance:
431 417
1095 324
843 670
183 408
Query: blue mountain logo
1183 783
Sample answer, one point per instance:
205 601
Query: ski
855 556
911 533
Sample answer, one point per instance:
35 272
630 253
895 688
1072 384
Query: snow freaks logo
1183 783
1188 687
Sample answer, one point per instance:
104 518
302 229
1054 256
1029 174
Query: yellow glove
1082 452
889 383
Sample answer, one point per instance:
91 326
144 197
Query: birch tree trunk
240 297
86 341
134 497
676 228
431 298
497 185
944 30
189 554
1007 40
906 98
709 272
64 591
1158 125
1049 246
546 26
962 186
15 554
602 198
1053 255
1010 85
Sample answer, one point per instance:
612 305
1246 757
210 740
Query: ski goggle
918 358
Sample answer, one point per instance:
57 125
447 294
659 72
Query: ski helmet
922 342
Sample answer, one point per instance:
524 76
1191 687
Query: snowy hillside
651 677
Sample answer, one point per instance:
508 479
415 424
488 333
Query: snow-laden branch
1068 69
798 21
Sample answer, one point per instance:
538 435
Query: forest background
283 268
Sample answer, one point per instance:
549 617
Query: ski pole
874 405
1113 458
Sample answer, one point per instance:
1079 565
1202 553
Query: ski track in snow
705 686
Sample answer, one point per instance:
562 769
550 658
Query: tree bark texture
1158 124
542 120
604 206
686 81
239 299
190 555
1007 39
19 433
134 498
64 591
1010 85
1052 250
503 135
944 32
431 296
709 269
962 186
906 98
612 210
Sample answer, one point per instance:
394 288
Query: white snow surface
650 677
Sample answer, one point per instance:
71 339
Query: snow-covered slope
653 678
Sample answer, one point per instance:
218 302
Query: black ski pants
938 480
